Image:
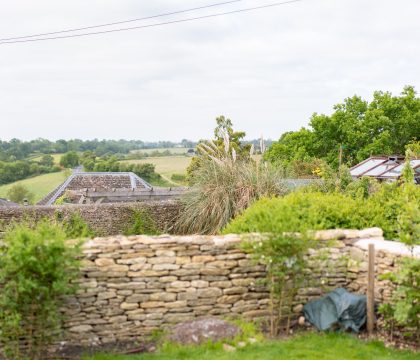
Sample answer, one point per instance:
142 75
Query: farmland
167 165
39 185
174 151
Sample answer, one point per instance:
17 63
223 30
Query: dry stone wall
130 286
104 219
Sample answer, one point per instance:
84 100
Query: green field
40 185
176 150
167 165
308 347
56 157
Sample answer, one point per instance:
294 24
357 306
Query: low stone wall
104 219
133 285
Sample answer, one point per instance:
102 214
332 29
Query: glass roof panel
360 169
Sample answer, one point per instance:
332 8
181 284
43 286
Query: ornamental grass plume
224 186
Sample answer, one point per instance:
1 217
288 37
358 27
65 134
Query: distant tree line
22 169
18 150
113 163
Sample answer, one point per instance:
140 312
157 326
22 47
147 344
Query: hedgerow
316 210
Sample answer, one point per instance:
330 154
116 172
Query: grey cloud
268 70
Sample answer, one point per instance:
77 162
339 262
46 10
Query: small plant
75 227
404 309
36 271
283 256
141 223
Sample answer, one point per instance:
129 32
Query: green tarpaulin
339 310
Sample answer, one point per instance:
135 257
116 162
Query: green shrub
141 223
36 271
76 227
283 255
300 210
404 308
179 177
18 193
317 211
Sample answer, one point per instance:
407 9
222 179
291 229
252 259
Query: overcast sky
267 70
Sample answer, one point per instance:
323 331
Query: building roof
384 167
7 203
98 181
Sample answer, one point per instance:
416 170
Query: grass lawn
308 346
167 165
39 185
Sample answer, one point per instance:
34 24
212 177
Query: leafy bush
70 159
316 210
141 223
404 309
75 227
300 210
36 271
19 193
283 255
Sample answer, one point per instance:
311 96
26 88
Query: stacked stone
104 219
328 263
131 286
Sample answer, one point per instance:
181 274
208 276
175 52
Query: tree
357 128
70 160
18 193
47 160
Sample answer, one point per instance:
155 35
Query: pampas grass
224 187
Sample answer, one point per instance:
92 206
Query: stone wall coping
391 247
361 239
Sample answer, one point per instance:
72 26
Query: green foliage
363 187
282 253
299 210
383 126
222 190
317 210
75 227
36 271
413 149
141 224
19 193
18 170
47 160
70 159
179 177
112 164
404 309
226 140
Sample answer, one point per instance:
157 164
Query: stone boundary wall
130 286
104 219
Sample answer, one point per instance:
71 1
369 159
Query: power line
154 25
122 22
